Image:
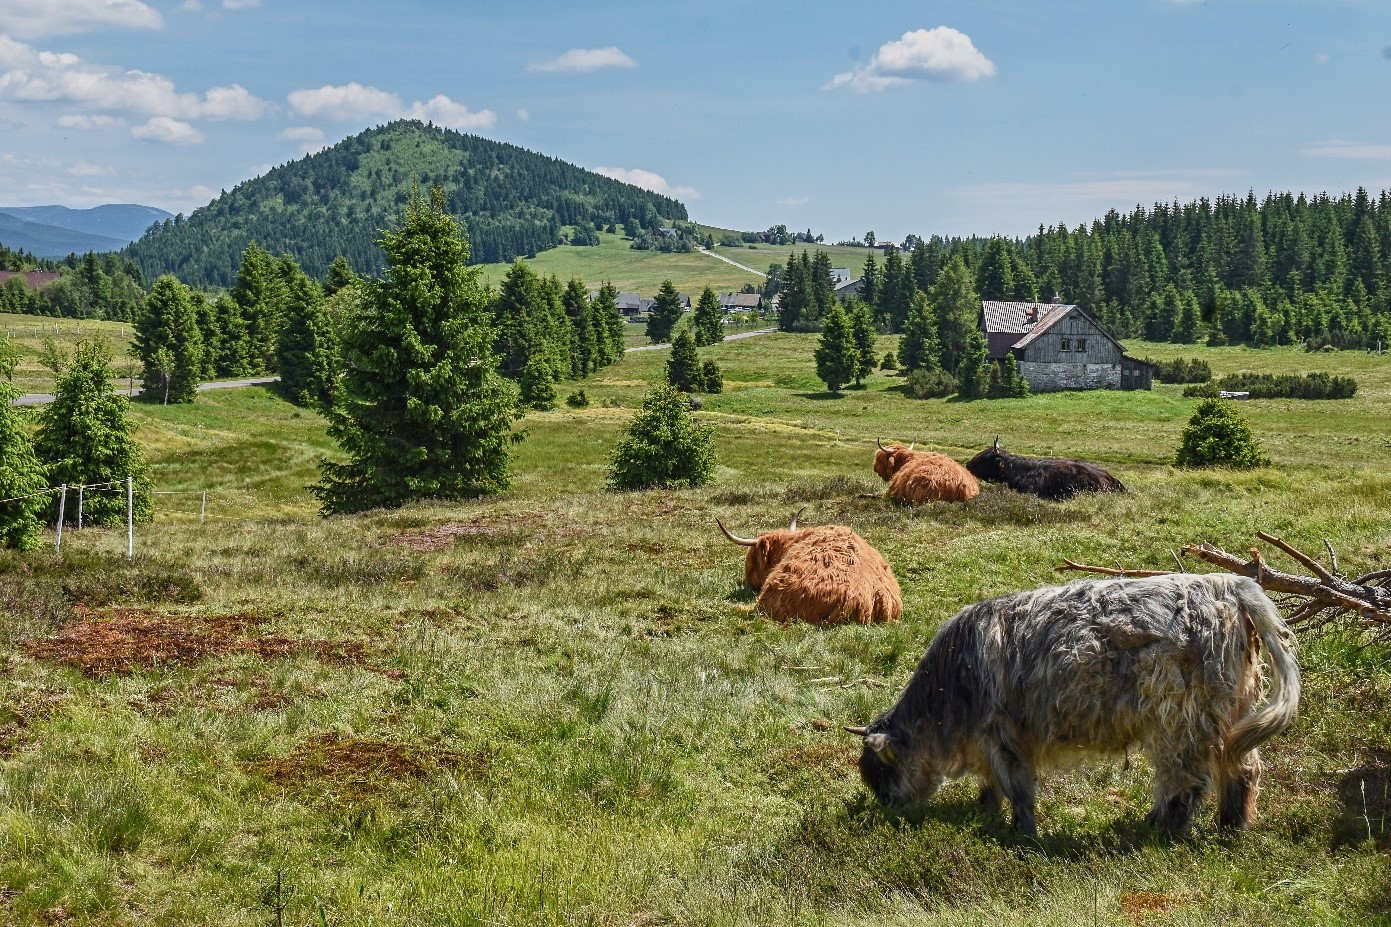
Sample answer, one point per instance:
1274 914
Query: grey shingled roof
1011 317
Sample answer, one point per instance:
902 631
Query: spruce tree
340 275
1015 385
308 354
664 446
233 349
683 367
711 377
260 293
973 380
836 356
1217 436
709 325
537 384
954 299
609 321
424 411
169 324
586 357
85 438
665 313
918 349
22 476
862 333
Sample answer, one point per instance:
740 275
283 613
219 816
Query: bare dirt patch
356 768
120 640
442 536
1139 905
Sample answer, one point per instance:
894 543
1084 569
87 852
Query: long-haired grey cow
1169 663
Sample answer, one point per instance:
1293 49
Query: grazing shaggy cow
1055 478
822 575
1028 680
915 477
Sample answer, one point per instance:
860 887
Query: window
1066 345
1081 344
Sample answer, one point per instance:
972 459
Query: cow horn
733 537
880 442
859 730
913 445
997 442
793 526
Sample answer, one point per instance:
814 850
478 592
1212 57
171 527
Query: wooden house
1059 347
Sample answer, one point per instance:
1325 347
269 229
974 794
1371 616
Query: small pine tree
665 313
836 357
929 384
1217 436
609 322
918 349
712 378
168 342
683 367
862 333
995 383
307 349
972 377
890 362
537 384
21 473
340 276
1016 386
664 446
85 438
709 325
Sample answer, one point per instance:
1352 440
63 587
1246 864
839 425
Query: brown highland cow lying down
825 574
915 477
1014 684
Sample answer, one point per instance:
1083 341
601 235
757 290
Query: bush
930 384
712 378
1181 370
577 400
664 446
890 362
1291 385
1200 391
1217 436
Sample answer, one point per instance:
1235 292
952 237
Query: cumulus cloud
584 60
938 54
794 201
309 138
32 19
1342 149
34 76
85 169
240 4
86 121
169 131
354 101
648 181
523 115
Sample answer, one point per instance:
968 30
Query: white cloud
86 121
240 4
191 5
523 115
355 101
32 19
584 60
938 54
302 134
794 201
348 101
1341 149
443 111
84 169
34 76
169 131
648 181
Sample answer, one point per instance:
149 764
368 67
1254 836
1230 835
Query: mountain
50 241
514 202
124 221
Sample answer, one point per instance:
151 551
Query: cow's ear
879 743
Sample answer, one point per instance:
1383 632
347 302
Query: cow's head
890 457
765 551
990 464
898 768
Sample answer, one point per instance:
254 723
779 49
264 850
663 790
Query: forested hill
513 201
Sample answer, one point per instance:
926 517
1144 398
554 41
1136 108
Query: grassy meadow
557 706
29 333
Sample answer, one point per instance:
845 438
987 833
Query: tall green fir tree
683 367
862 333
665 313
260 292
709 318
85 438
424 411
972 374
308 353
169 343
609 321
232 348
918 348
340 275
954 299
836 356
586 356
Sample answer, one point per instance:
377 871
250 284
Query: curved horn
746 542
793 526
913 445
859 730
880 442
997 442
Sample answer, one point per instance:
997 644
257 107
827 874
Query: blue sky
965 117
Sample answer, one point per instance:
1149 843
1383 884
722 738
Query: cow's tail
1279 709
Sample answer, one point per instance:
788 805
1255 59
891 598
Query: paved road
735 263
40 399
664 345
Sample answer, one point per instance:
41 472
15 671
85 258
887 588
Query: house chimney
1057 298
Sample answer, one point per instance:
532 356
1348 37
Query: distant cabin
1059 347
848 288
740 302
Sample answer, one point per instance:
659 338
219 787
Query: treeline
93 286
1288 269
512 202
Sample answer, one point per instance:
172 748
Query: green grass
570 714
30 331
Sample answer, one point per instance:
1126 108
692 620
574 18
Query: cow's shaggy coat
1168 663
822 575
915 477
1053 478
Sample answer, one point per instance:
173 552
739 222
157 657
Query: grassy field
557 706
642 271
29 332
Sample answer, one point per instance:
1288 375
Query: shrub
1217 436
930 384
1291 385
890 362
1200 391
1181 370
577 400
664 446
712 378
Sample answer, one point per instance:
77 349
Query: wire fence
127 486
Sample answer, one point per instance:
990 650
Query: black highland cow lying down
1169 663
1054 478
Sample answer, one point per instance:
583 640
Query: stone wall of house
1052 377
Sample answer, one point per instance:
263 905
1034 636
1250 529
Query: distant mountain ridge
49 241
514 202
123 221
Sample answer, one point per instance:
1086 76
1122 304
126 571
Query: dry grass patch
355 768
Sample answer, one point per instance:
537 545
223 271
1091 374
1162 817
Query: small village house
1059 347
